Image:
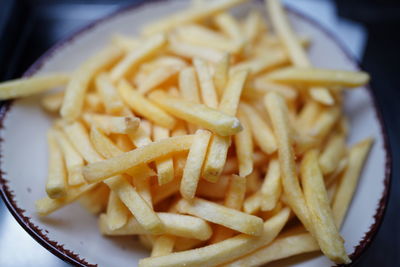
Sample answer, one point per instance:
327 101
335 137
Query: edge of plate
69 256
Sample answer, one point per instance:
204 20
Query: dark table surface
30 27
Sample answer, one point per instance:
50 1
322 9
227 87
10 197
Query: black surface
29 28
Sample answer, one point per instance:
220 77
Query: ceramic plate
71 233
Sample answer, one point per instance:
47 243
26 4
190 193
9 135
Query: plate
72 234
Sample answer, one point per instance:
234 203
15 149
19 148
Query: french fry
207 88
253 182
93 102
263 63
79 82
236 192
324 123
244 147
230 27
252 204
109 94
219 214
144 51
179 160
165 165
32 85
95 200
332 154
142 135
213 190
252 26
188 85
146 240
271 189
174 224
281 248
199 114
190 15
73 160
56 185
217 153
112 124
117 213
46 205
143 106
194 163
277 111
334 79
264 87
182 244
222 252
348 181
326 233
144 214
164 191
221 74
79 138
307 116
52 102
163 245
101 170
262 133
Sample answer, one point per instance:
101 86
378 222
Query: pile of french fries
211 138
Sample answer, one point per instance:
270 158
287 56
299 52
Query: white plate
72 234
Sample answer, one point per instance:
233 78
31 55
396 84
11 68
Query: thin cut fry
263 63
112 124
108 94
244 147
272 188
194 163
221 74
143 106
52 102
208 92
165 166
332 154
79 82
174 224
107 168
158 77
348 182
211 119
252 204
236 192
56 185
95 200
33 85
145 50
228 25
219 214
188 85
222 252
117 213
163 245
326 233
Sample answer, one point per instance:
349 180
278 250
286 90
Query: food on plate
212 138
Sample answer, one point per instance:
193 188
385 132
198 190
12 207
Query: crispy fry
219 214
112 124
326 233
348 181
207 88
272 188
332 154
236 192
95 200
163 245
109 94
228 25
194 163
143 106
56 185
201 115
79 82
188 85
165 165
244 147
32 85
221 74
117 213
263 63
252 204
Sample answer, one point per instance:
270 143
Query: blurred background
368 28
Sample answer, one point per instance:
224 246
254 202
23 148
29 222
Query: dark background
29 27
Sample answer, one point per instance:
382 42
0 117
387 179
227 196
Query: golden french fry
222 252
222 215
143 106
116 165
190 15
163 245
278 113
95 200
79 137
319 77
52 102
280 248
207 88
348 181
215 190
162 192
158 77
326 233
93 103
112 124
230 27
260 64
109 94
199 114
143 187
252 204
144 214
165 165
221 73
117 213
307 116
56 185
265 86
32 85
271 189
73 160
174 224
194 163
324 123
143 51
79 82
252 26
188 85
262 133
332 154
236 192
142 135
244 147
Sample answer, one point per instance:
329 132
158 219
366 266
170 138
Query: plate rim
72 257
